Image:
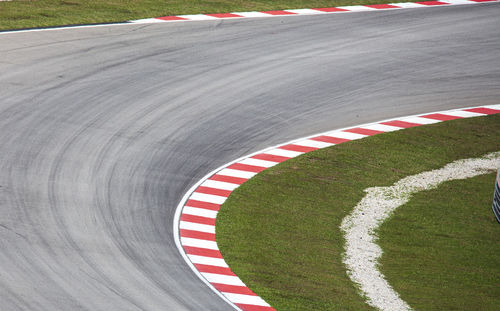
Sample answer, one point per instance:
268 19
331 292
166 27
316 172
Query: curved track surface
102 130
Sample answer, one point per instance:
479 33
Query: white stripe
434 4
419 120
284 153
463 114
236 173
223 279
196 227
246 299
381 127
219 185
305 11
257 162
199 243
253 14
407 5
210 261
496 107
356 8
199 212
346 135
197 17
312 143
211 198
459 1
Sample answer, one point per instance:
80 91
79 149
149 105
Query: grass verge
445 239
19 14
280 230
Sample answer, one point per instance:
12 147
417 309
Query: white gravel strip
362 253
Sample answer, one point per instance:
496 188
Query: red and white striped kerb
198 211
331 10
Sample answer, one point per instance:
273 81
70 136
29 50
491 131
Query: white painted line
459 2
497 107
253 14
199 243
223 279
284 153
199 212
357 8
345 135
210 198
236 173
419 120
219 185
246 299
312 143
196 227
381 127
464 114
198 17
64 28
409 5
209 261
305 11
257 162
224 171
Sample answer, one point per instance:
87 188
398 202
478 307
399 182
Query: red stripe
331 10
201 204
279 13
298 148
483 0
229 179
245 307
202 252
358 130
270 157
382 6
214 269
172 18
198 219
432 3
402 124
484 110
330 139
224 15
214 191
233 289
441 117
197 235
246 167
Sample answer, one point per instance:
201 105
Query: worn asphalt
103 129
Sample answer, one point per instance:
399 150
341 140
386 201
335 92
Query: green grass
280 230
19 14
442 249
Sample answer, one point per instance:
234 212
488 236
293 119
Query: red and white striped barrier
340 9
194 224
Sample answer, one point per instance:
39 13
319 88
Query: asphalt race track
102 130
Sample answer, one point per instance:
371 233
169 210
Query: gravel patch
361 251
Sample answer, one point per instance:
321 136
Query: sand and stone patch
359 227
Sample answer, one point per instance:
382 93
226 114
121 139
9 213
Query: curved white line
361 251
274 149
